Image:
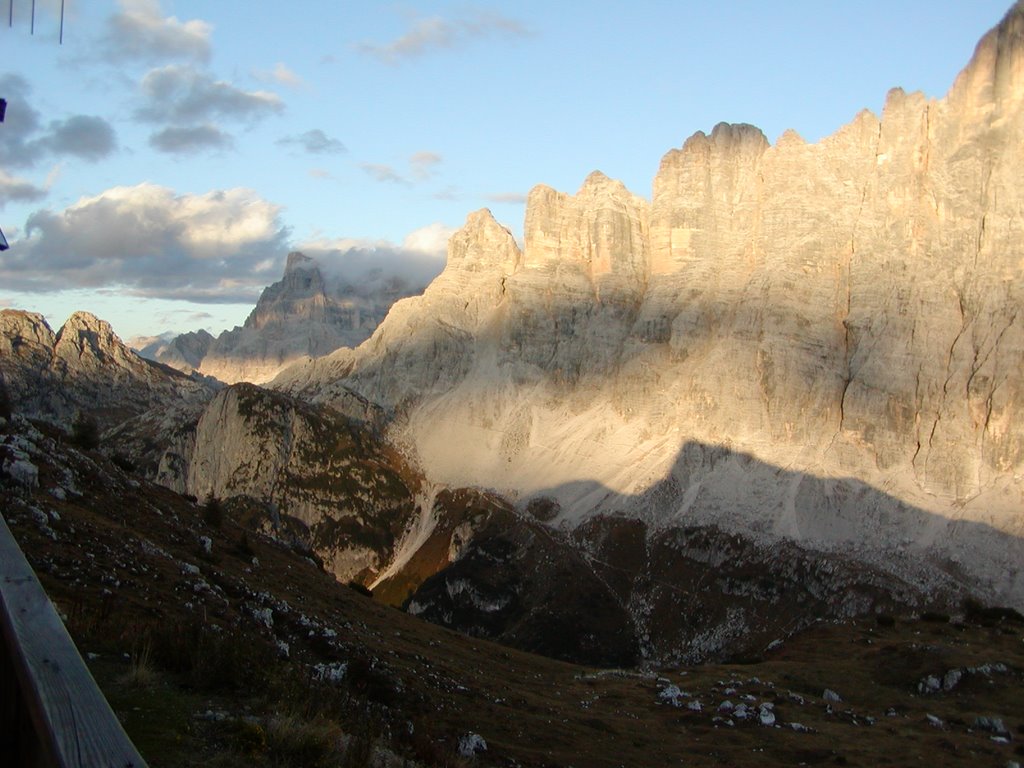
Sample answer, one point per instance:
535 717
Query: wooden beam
71 722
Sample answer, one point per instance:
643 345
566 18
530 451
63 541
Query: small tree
5 401
85 432
213 512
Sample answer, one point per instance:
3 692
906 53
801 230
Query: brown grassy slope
194 661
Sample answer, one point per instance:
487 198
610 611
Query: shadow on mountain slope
721 558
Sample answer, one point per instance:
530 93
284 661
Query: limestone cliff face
849 311
26 347
602 231
355 497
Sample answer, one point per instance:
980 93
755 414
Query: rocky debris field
219 645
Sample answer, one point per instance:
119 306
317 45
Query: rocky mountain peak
727 138
84 368
790 138
85 329
302 292
86 340
18 328
305 315
994 78
483 242
298 260
184 351
601 230
26 344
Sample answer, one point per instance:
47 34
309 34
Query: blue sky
158 166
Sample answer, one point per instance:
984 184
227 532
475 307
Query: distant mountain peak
298 260
84 335
84 367
302 315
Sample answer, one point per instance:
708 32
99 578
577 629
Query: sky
158 165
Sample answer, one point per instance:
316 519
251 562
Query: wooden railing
51 711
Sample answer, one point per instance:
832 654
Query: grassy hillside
218 646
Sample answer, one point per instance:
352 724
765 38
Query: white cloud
431 240
514 198
426 35
360 263
190 139
179 95
448 193
281 74
316 142
17 190
139 31
382 172
84 136
422 166
222 246
423 163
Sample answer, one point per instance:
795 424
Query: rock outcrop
847 313
354 496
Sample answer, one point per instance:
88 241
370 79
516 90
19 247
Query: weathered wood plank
74 724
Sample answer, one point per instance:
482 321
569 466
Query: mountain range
818 343
784 389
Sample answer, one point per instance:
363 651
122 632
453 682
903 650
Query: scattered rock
952 679
992 725
930 684
333 672
471 744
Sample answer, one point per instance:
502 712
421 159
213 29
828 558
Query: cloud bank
222 246
358 265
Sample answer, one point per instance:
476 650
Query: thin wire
10 14
32 26
62 22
